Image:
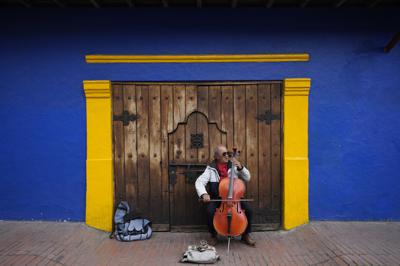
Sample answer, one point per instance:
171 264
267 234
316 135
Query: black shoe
248 240
213 240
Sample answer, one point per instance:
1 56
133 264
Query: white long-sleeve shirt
211 175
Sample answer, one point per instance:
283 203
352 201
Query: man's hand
206 197
237 163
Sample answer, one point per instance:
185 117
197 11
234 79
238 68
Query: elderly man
215 171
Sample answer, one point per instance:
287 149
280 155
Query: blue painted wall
354 101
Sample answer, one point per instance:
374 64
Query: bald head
219 150
218 153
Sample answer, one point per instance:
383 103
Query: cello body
230 219
238 220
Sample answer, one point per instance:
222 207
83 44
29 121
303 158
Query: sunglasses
227 154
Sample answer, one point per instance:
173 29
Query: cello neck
231 175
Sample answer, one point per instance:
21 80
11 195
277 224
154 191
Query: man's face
222 155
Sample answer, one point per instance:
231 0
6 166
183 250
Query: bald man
215 171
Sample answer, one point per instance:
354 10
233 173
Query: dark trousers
212 206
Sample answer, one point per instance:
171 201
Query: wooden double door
165 134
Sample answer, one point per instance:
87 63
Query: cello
230 219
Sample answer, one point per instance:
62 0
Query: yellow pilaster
99 166
295 169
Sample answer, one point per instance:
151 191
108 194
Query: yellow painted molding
296 164
210 58
97 88
99 162
297 86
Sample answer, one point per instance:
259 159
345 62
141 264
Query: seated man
217 170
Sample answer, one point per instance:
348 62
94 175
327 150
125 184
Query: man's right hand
206 197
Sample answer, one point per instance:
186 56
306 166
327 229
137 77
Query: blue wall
354 101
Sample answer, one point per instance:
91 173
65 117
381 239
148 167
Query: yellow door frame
99 163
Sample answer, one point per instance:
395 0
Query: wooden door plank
202 126
179 188
264 152
191 205
142 94
214 138
227 114
214 106
191 127
251 142
191 99
167 122
179 104
203 154
203 157
179 116
118 135
276 147
130 147
239 135
202 99
214 115
155 154
179 152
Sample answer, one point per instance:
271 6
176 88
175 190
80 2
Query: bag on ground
128 227
204 254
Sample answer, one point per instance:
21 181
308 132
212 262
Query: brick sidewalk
322 243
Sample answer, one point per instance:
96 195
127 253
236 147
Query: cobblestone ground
318 243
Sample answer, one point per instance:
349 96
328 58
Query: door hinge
267 117
125 117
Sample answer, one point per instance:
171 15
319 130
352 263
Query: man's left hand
237 163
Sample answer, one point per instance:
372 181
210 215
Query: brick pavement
318 243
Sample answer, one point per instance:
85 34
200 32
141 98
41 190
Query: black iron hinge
125 117
267 117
